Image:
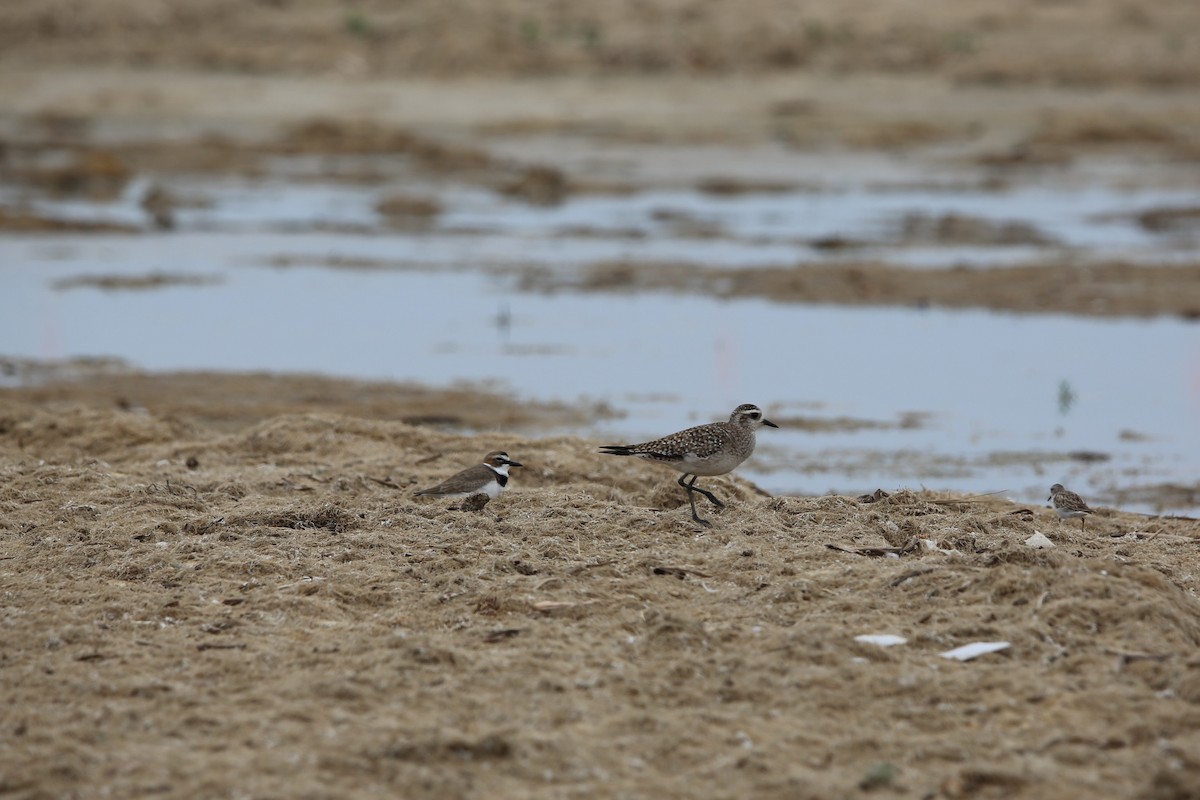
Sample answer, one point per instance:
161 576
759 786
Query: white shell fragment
1039 542
974 650
881 639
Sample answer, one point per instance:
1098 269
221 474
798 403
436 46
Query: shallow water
866 221
1005 399
989 383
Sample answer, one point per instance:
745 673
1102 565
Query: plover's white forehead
498 459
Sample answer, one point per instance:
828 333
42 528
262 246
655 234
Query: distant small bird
488 478
712 449
1069 505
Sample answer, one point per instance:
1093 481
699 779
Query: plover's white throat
1069 505
490 478
713 449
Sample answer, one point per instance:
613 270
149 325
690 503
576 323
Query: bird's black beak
768 422
512 463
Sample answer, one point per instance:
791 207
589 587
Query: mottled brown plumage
1069 505
713 449
490 478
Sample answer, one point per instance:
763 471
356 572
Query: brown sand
1088 44
257 605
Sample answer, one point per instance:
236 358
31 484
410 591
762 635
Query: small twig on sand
679 572
912 573
546 606
1124 657
1041 602
578 568
892 552
388 482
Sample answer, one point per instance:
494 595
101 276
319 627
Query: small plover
712 449
488 478
1069 505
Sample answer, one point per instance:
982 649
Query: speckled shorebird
713 449
488 478
1069 505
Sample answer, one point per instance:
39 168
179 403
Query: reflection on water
991 383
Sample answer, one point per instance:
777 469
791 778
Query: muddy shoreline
1109 290
221 584
1055 282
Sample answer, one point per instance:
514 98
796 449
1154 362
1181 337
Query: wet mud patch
68 164
154 280
1112 289
1171 220
15 220
408 210
89 173
964 229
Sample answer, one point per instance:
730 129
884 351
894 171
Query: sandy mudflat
251 602
221 585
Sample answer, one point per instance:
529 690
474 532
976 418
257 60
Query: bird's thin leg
1083 523
692 487
691 498
711 498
